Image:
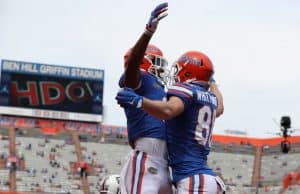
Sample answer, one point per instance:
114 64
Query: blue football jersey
140 123
189 134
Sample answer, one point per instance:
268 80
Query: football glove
157 14
127 96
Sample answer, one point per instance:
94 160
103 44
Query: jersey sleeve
122 84
121 81
181 91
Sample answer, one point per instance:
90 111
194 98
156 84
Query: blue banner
51 70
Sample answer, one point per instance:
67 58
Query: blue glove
127 96
157 14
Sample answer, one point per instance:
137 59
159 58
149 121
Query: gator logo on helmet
152 48
190 60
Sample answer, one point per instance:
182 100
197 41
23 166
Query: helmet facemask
173 74
158 67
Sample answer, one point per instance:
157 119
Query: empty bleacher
48 165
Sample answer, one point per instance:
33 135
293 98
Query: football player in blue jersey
194 101
146 170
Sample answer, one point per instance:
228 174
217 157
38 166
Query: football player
110 185
193 103
146 170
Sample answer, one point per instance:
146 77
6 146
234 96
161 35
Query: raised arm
137 52
132 64
214 89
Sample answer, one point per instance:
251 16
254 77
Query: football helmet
192 66
110 185
153 62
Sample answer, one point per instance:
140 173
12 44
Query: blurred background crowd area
34 160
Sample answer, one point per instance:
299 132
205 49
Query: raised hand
127 96
157 14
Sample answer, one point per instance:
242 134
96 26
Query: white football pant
146 170
200 184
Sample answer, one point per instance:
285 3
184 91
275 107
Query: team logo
152 170
191 60
152 48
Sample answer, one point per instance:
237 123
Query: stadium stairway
12 152
256 167
84 179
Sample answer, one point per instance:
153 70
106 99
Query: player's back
189 134
140 123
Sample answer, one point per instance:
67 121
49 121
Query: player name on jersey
207 98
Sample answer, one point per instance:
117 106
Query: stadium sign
51 91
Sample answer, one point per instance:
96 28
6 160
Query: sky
253 44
